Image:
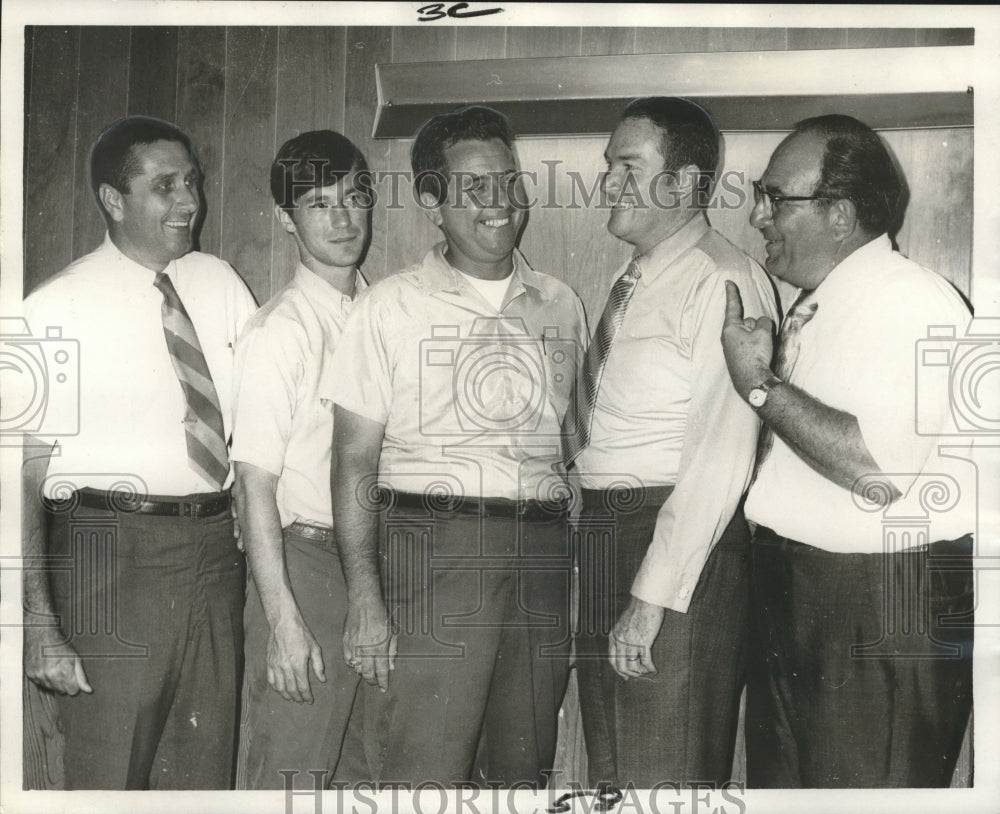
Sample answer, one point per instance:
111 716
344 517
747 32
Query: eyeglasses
771 199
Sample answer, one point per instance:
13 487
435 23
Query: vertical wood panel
480 43
201 103
543 42
152 81
310 96
411 44
104 68
672 40
566 236
311 80
748 39
599 41
249 148
48 211
367 46
409 232
937 227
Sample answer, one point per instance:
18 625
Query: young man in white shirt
298 692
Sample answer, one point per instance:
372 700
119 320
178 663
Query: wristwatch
758 395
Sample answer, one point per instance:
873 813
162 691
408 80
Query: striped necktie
580 414
206 439
789 340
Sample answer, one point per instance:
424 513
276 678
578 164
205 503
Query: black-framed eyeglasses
771 199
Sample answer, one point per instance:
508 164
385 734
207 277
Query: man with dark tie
861 633
664 449
135 619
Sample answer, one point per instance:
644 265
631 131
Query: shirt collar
321 292
663 254
118 264
856 270
438 275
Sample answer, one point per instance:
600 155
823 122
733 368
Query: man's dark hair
688 135
112 155
856 167
319 158
437 134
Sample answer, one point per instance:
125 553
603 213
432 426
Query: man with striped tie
862 593
134 617
664 449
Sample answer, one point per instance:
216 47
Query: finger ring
632 658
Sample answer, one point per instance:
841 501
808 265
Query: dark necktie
789 340
206 440
580 414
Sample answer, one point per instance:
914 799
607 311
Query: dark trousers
276 734
481 605
861 665
680 724
153 605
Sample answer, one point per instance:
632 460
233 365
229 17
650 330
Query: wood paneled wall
242 91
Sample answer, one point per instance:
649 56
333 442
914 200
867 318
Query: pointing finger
734 303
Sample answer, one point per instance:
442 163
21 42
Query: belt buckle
188 509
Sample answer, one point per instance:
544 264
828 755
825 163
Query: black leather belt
529 510
198 505
320 534
625 500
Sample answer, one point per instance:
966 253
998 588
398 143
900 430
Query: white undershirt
493 291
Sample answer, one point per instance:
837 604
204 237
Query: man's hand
369 643
630 645
237 531
52 663
748 344
290 649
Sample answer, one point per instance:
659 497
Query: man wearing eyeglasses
664 450
861 641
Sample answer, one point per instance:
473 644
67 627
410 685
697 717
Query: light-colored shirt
471 400
860 354
279 422
124 397
666 412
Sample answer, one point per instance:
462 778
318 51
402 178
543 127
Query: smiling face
329 224
647 204
152 221
801 246
478 219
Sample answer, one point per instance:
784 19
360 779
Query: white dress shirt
280 423
861 353
126 418
666 412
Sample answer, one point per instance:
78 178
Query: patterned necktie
789 340
206 439
580 414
